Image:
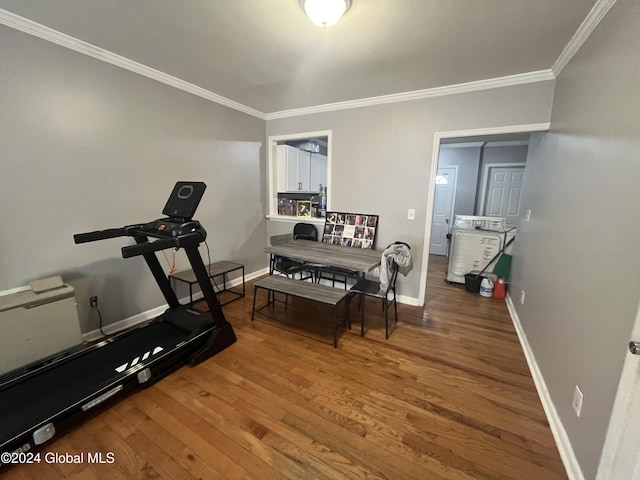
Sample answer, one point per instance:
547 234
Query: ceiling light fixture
325 13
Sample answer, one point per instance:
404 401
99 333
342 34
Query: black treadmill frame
205 335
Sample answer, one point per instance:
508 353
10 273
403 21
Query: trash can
472 282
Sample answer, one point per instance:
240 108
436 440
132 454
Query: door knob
634 347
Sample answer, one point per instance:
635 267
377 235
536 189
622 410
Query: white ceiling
266 55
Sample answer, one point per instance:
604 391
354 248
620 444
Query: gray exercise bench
307 290
217 269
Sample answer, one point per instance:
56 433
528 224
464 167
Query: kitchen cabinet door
293 169
304 165
318 172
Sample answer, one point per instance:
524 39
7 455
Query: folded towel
399 252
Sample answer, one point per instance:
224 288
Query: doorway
443 208
479 137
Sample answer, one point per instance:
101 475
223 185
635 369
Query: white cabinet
293 169
304 162
318 172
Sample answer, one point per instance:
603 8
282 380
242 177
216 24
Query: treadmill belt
42 396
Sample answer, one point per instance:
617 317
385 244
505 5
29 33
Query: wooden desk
360 260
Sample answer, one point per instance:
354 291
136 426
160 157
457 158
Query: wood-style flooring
448 396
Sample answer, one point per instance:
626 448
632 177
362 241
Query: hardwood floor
448 396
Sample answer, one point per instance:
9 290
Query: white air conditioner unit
37 323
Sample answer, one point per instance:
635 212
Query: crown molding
30 27
511 80
37 30
591 21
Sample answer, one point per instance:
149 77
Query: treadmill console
170 227
184 200
180 208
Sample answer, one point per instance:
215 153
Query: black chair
334 275
305 231
371 288
288 266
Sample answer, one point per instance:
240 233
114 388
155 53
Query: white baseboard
563 443
129 322
408 300
141 317
401 298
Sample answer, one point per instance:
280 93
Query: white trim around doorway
437 137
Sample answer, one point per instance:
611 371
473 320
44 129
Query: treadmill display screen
184 200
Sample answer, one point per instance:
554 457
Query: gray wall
504 154
467 159
471 162
88 146
578 258
382 155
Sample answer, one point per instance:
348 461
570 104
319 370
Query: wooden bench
307 290
216 269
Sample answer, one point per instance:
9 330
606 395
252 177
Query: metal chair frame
371 288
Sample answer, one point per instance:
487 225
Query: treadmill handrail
126 231
148 247
99 235
189 239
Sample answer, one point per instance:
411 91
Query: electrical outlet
93 301
578 396
527 217
521 297
411 214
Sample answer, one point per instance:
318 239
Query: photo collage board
350 229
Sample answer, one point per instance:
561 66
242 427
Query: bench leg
253 310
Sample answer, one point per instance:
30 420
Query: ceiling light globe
325 13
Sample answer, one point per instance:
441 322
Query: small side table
217 269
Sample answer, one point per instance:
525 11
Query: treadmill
49 396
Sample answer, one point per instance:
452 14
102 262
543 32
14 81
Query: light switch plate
411 214
578 397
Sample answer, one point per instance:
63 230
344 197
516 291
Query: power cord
94 306
215 284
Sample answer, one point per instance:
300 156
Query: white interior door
445 193
620 457
504 188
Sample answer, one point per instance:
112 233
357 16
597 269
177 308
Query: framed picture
350 229
303 208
